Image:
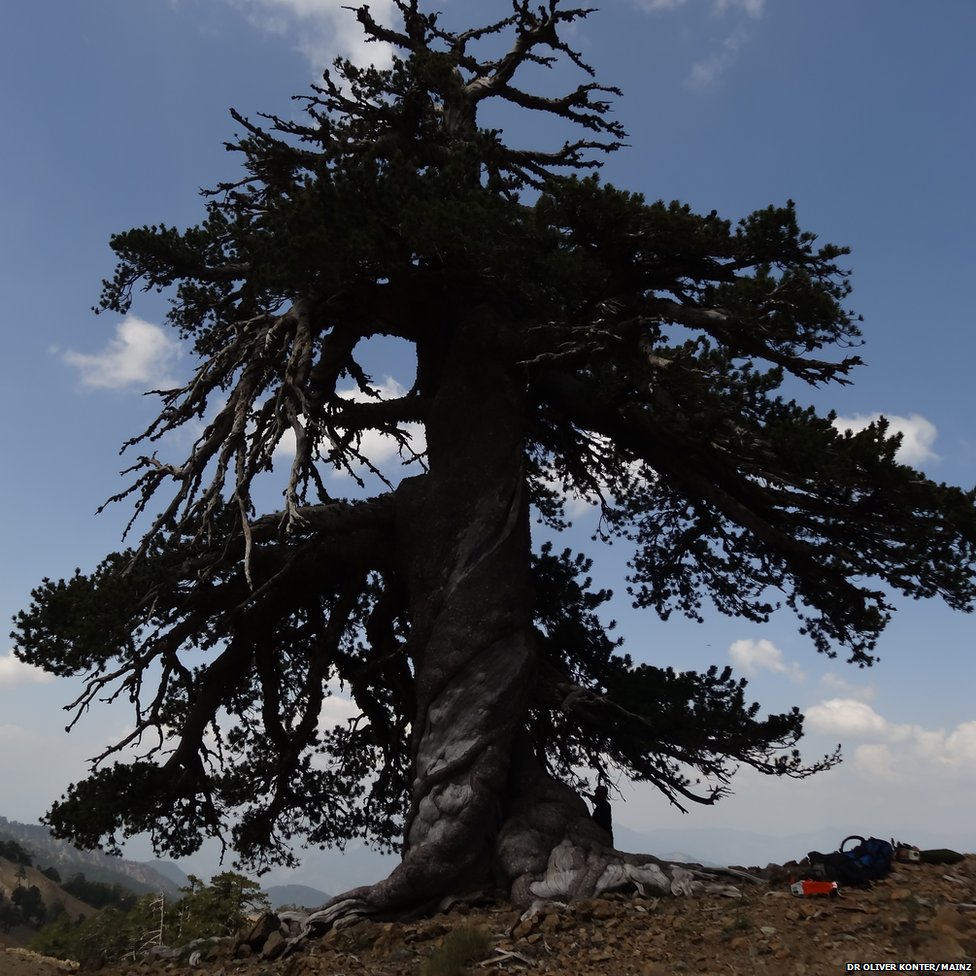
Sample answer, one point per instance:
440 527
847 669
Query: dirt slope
20 962
50 892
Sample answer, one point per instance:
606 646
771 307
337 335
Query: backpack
869 861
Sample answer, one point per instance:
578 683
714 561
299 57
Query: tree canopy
570 336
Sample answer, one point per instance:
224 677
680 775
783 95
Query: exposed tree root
574 870
548 851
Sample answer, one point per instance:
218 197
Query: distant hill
49 851
297 895
171 870
335 871
280 896
138 877
51 892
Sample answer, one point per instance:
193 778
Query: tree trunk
463 537
484 812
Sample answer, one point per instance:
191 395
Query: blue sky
115 113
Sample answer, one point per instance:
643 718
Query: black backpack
869 861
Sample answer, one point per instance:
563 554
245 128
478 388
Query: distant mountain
335 871
171 870
280 896
297 895
49 851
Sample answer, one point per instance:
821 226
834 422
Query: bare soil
919 914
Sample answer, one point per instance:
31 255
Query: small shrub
463 946
740 924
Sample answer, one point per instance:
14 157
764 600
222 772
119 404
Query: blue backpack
869 861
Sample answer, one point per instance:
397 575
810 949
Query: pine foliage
660 352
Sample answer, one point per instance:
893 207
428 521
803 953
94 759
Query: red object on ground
809 888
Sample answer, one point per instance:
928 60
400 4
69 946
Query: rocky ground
919 914
21 962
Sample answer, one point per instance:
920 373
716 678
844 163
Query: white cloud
918 434
322 29
847 690
753 656
13 671
139 354
337 709
706 72
380 448
894 751
846 716
879 763
657 5
754 8
575 505
961 744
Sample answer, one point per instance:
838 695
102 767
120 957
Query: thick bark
550 848
547 849
463 549
483 810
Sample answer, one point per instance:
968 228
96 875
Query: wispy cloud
918 434
753 656
707 72
13 671
726 21
846 689
658 6
138 355
753 8
322 30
